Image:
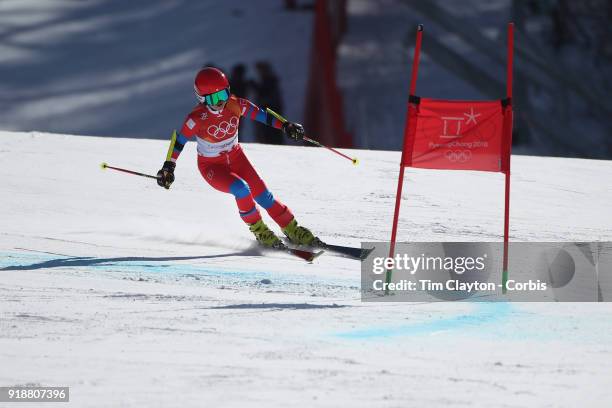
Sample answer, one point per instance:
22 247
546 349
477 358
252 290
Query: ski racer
222 162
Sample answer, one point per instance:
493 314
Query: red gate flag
458 135
455 135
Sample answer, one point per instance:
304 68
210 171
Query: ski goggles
215 97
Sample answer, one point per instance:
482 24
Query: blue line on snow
168 266
486 313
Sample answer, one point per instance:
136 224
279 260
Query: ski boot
265 236
299 235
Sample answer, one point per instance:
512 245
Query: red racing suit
222 161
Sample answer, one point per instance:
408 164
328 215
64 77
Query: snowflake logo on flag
471 117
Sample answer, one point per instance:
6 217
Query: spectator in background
240 85
560 26
267 94
238 81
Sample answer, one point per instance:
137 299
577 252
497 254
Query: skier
222 162
267 93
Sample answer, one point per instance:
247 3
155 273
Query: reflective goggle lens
215 98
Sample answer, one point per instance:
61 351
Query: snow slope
65 64
137 296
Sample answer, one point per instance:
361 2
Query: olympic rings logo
224 129
460 156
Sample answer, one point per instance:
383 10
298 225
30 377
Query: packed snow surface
136 296
65 64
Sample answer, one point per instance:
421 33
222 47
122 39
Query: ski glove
293 130
165 177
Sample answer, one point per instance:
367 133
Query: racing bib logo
224 129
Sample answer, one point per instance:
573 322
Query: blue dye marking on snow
25 261
498 321
167 267
485 315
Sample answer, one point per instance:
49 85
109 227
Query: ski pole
354 160
314 142
106 166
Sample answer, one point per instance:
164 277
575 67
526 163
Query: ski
353 252
308 256
304 254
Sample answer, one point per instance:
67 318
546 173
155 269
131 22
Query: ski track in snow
136 296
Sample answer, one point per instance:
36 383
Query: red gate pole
507 150
398 196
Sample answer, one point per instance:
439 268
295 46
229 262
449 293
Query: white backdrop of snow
137 296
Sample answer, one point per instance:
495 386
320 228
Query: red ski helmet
209 81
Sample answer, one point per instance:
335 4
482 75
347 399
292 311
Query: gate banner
455 135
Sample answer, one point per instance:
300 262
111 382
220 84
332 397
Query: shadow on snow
279 306
91 261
